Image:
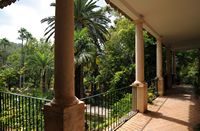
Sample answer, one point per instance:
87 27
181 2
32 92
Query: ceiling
176 21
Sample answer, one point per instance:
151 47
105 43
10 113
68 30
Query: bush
123 106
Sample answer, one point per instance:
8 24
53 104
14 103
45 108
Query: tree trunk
79 88
21 65
44 82
20 81
24 79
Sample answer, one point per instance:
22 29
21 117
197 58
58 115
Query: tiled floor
179 110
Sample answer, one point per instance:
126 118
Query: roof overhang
177 22
4 3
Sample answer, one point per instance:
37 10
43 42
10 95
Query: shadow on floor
182 93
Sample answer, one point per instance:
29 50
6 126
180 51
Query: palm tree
84 54
4 43
44 63
86 15
24 35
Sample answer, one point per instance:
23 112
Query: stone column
168 68
65 112
159 71
139 83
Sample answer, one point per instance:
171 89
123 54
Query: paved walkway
179 110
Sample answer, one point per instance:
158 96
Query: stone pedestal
58 118
141 96
161 86
134 98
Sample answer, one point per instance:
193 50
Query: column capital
159 40
139 21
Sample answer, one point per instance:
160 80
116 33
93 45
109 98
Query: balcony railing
21 113
107 111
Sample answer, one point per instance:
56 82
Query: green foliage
187 66
117 64
120 78
37 62
84 47
86 15
22 113
150 57
8 77
152 90
4 43
151 95
118 59
123 106
118 108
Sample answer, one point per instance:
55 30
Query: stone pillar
168 68
65 112
139 83
159 71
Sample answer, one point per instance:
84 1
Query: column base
160 86
141 105
58 118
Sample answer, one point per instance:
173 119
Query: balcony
105 111
178 110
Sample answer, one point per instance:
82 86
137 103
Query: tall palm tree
86 15
24 36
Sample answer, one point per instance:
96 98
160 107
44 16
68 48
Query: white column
159 71
139 49
139 83
65 112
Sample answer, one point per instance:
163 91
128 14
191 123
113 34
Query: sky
26 14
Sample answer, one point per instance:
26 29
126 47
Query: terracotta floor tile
177 111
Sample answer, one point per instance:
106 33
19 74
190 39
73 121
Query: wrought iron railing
107 111
21 113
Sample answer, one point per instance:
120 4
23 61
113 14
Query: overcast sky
27 14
